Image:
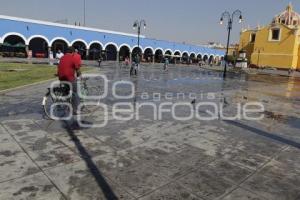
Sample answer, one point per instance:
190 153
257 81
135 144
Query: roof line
65 25
179 43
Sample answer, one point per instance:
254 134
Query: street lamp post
230 18
138 24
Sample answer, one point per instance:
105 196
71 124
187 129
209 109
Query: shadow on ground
102 183
264 134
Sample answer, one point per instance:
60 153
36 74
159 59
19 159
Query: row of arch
40 46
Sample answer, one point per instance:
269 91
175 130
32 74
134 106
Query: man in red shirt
68 70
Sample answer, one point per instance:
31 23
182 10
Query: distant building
215 45
21 37
275 45
232 50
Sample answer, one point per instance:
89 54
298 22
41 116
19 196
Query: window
275 34
252 37
295 22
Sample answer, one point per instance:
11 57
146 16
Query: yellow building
275 45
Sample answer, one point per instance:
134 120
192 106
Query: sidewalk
254 71
146 158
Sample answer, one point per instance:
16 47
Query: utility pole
84 12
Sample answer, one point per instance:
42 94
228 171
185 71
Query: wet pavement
156 159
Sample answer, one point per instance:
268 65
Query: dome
288 17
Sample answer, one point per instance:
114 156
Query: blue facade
29 29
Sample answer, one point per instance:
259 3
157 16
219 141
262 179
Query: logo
122 105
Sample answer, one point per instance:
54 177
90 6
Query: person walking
166 64
126 61
100 61
134 65
59 55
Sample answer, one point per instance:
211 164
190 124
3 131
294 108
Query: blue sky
191 21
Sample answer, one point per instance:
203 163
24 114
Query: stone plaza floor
156 159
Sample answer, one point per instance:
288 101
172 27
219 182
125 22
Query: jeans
75 97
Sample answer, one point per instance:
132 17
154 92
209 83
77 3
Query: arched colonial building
274 45
40 38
